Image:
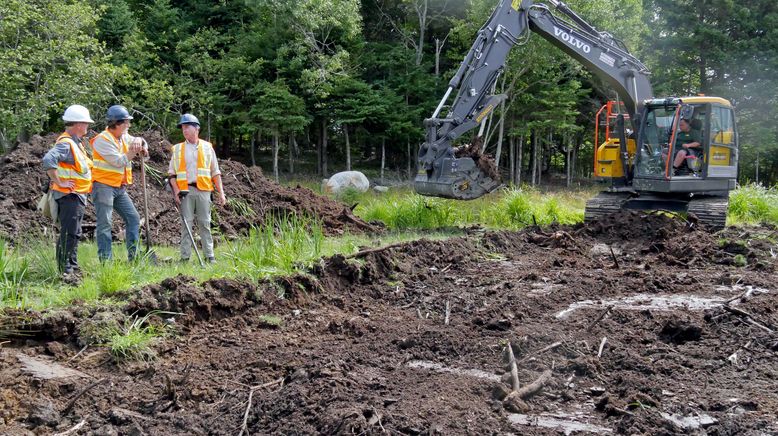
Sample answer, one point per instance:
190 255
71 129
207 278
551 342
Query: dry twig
73 429
72 402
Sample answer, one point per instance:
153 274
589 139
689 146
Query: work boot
71 278
183 260
211 260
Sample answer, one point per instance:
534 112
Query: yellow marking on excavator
483 114
516 4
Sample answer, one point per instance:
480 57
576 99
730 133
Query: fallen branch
535 387
73 429
541 351
750 318
79 353
72 402
602 346
244 427
448 312
615 260
514 367
599 318
364 253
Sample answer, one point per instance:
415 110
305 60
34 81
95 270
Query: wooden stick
600 318
514 367
79 353
541 351
602 346
448 312
615 260
73 429
750 318
72 402
268 384
244 427
535 387
364 253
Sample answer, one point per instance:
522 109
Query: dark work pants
71 212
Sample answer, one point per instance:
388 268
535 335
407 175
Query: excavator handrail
671 145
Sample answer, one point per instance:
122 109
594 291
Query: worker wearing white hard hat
70 172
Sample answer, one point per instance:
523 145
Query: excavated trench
412 339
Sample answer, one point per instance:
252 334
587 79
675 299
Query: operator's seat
695 158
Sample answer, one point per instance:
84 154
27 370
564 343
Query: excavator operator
687 143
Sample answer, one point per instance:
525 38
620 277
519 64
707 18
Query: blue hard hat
118 113
188 119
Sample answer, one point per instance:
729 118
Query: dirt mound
409 339
251 197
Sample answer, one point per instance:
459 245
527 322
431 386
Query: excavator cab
699 185
710 167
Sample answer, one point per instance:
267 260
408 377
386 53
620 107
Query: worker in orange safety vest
70 172
194 176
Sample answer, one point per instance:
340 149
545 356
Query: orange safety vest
106 173
80 172
204 156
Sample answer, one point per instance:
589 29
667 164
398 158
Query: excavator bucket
462 174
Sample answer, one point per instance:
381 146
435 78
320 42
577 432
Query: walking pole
181 195
150 253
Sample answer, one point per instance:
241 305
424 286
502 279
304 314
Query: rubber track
605 203
711 211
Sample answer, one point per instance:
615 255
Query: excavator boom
445 171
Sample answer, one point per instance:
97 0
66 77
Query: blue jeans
107 199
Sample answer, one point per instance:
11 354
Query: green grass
753 204
400 209
135 339
29 278
271 320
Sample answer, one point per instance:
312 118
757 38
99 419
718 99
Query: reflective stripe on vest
204 156
79 171
106 173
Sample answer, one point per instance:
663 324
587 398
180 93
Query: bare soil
254 198
662 335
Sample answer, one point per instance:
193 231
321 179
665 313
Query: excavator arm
444 174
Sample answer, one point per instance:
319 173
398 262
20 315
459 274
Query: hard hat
118 113
188 119
77 114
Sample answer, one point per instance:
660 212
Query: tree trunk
348 148
500 133
520 159
534 156
275 154
410 157
324 139
253 145
512 159
568 160
291 154
421 11
383 158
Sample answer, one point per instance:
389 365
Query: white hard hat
77 114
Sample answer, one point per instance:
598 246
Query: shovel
181 195
152 256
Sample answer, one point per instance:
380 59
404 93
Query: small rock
596 390
381 188
499 392
44 414
513 403
299 375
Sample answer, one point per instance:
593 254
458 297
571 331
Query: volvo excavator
643 133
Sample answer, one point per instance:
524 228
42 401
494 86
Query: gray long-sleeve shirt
110 153
61 153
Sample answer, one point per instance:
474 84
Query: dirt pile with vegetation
251 197
662 334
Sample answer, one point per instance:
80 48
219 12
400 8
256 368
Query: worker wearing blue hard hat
194 177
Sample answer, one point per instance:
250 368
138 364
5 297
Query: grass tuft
135 339
753 204
271 320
